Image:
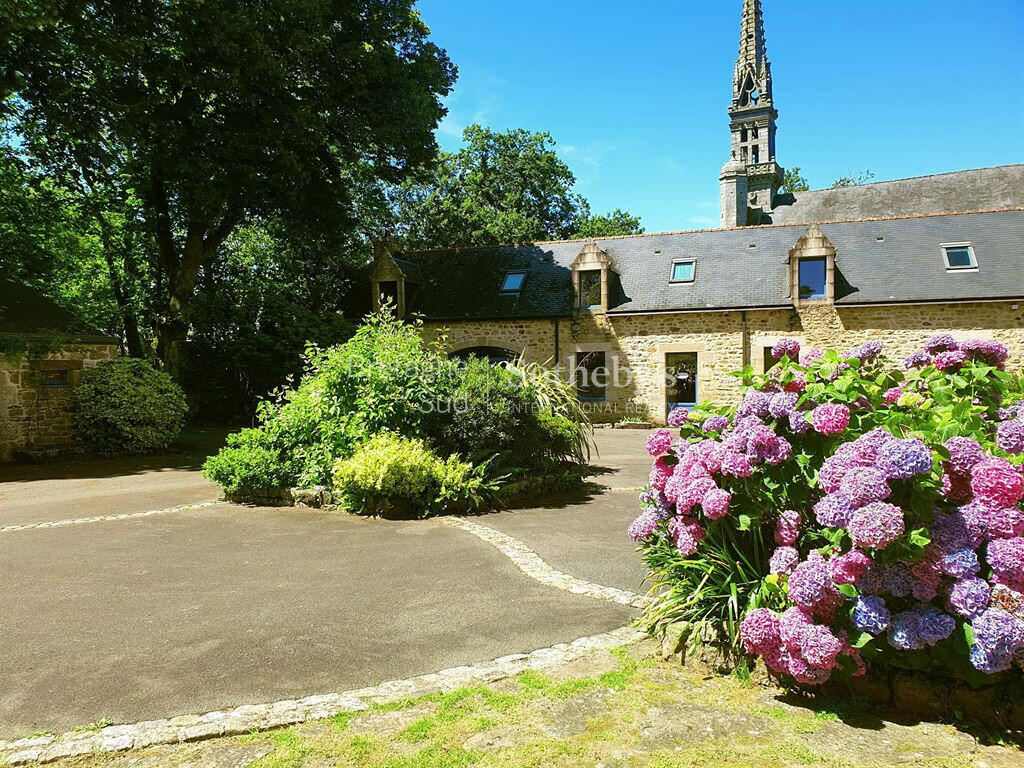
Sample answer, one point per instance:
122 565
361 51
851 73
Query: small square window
811 276
591 376
513 282
683 271
959 256
590 289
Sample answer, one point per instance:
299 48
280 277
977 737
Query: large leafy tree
198 117
509 187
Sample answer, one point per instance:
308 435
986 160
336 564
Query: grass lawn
619 709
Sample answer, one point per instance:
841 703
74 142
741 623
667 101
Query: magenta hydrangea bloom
786 348
659 442
1010 436
784 560
644 525
892 395
811 582
793 624
1000 522
964 453
849 567
736 465
876 525
986 351
678 416
864 485
833 511
1006 556
969 597
715 423
820 647
830 418
660 474
716 503
996 482
950 361
759 630
943 342
787 527
688 534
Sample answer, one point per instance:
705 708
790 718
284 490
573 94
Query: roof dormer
812 268
592 273
393 280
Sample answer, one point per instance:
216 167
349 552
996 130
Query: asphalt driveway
194 610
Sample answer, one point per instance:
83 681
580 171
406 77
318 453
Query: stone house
646 322
43 350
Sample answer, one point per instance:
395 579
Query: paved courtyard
195 609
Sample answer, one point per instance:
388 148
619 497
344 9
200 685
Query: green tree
864 177
618 222
214 114
793 181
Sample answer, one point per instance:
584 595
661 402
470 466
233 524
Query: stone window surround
759 341
970 249
612 361
813 244
592 258
703 371
386 270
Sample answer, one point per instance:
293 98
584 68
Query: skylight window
683 271
513 282
959 256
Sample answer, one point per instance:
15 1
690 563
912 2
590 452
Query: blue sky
635 92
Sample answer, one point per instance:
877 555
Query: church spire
752 116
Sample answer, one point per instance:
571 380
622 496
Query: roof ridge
917 178
753 227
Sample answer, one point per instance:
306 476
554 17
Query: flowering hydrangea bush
848 511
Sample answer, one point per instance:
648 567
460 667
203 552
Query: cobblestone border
258 717
106 518
530 563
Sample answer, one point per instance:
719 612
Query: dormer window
683 271
590 288
812 268
812 278
513 282
959 256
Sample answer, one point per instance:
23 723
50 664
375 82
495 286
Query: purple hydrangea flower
866 352
659 442
864 485
943 342
830 418
759 630
950 361
644 525
987 351
811 582
687 533
810 356
782 404
964 453
678 416
786 348
715 423
736 465
917 360
903 632
933 625
754 403
870 614
1006 556
990 662
969 597
961 563
820 647
784 560
787 528
1010 436
833 511
798 422
898 579
876 525
998 632
902 459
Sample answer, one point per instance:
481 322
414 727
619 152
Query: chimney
732 195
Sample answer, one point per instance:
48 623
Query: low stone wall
37 399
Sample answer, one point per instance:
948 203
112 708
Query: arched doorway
493 355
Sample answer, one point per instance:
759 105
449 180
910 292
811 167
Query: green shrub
249 463
126 406
402 476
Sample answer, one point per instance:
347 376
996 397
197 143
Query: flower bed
848 513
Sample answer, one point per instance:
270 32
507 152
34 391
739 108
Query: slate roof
974 190
26 311
735 268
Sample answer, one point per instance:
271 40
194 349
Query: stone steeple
752 116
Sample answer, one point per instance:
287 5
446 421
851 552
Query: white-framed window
513 282
959 256
683 271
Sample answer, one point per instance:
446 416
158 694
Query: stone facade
635 346
37 399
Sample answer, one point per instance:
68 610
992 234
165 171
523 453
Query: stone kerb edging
106 518
530 563
258 717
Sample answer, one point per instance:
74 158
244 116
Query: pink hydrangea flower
892 395
716 503
736 465
787 528
784 560
644 525
863 485
786 348
759 630
849 567
876 525
660 474
996 482
678 416
950 361
687 533
830 418
659 442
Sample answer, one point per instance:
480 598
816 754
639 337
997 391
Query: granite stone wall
36 418
635 346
